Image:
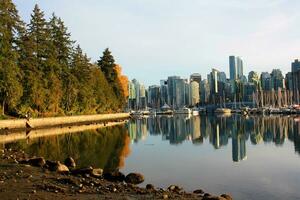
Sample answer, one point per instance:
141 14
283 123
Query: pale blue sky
152 39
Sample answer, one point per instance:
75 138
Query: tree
108 67
10 27
34 50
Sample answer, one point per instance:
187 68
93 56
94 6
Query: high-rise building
277 79
195 77
194 93
131 96
172 90
222 77
296 80
204 91
163 92
240 67
236 67
266 83
214 78
137 96
154 96
232 68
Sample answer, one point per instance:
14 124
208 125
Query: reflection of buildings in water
137 129
238 148
195 128
154 126
219 129
296 136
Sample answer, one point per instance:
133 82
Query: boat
223 110
167 112
183 110
275 111
195 111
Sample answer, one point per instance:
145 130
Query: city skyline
184 39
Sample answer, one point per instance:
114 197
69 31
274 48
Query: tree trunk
3 107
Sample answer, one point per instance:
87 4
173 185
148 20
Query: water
248 157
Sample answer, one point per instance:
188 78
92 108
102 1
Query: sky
154 39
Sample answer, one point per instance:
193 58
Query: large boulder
227 196
97 173
82 171
37 162
174 188
134 178
56 166
70 163
114 176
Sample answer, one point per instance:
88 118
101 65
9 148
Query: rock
150 187
226 196
114 176
61 168
212 198
199 191
37 162
56 166
97 173
82 171
51 165
174 188
70 163
134 178
165 196
25 161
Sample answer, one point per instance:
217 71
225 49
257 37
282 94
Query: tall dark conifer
108 67
10 29
34 58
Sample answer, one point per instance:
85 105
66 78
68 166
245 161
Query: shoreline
36 123
25 177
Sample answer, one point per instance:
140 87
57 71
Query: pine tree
34 49
108 67
81 69
10 27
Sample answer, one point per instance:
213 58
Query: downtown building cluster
266 89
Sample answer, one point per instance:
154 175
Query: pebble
165 196
33 191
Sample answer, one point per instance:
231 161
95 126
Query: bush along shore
25 177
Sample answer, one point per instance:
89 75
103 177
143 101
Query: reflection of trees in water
218 129
104 148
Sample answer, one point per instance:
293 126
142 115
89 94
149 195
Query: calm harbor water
249 157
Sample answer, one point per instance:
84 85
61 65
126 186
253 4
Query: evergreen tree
40 71
108 67
81 69
10 27
34 51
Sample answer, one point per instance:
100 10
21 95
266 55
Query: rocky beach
24 176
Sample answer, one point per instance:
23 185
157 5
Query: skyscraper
236 67
296 80
240 67
232 68
195 77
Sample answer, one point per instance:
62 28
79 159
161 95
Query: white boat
195 111
184 110
223 110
